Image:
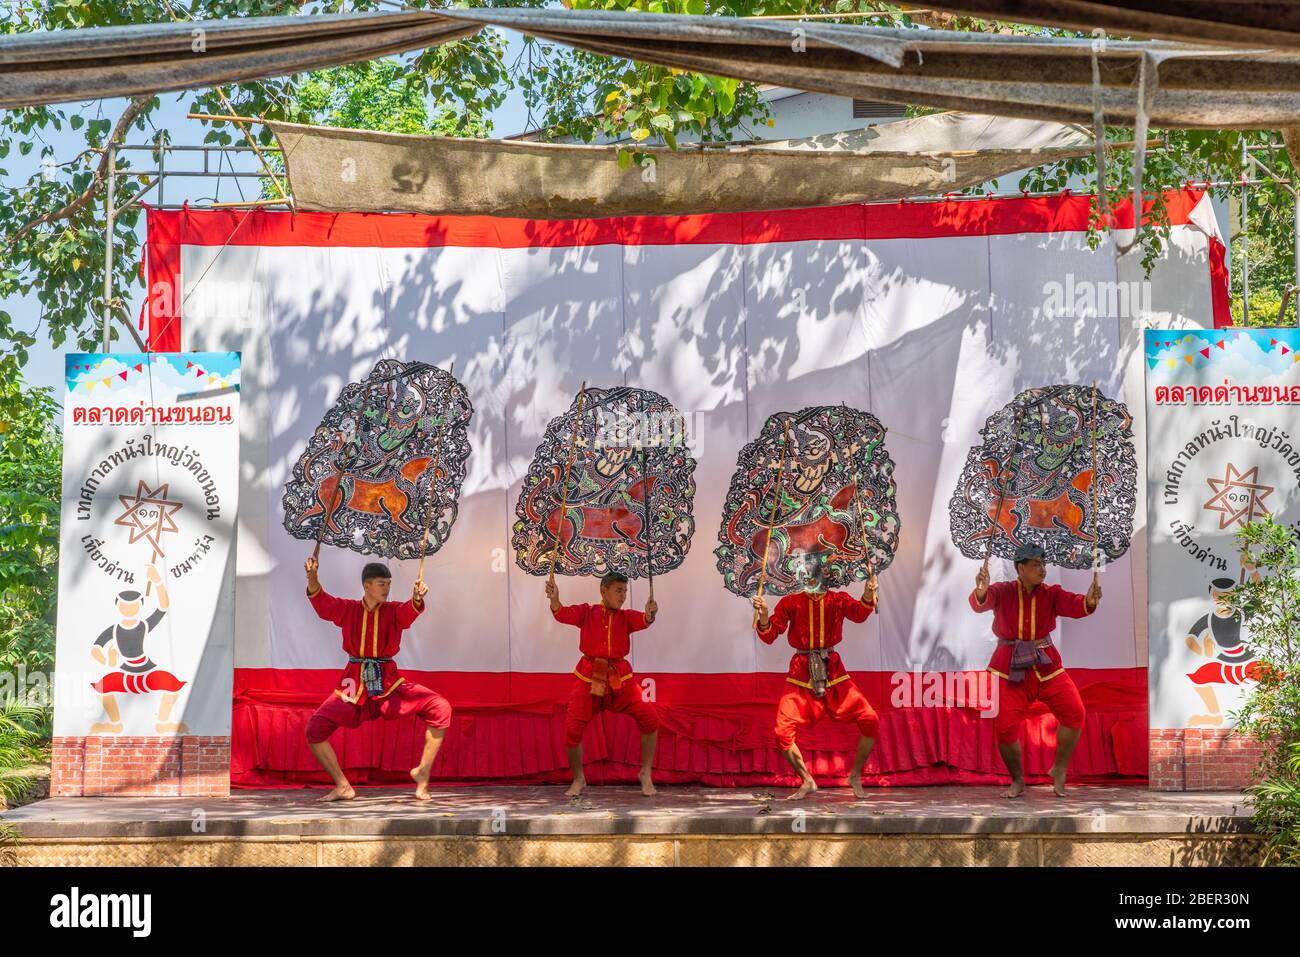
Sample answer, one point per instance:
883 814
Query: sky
46 364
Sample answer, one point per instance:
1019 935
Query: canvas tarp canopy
441 175
1238 22
1050 78
1035 77
62 66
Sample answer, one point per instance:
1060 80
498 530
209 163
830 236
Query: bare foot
106 728
576 787
856 783
1058 781
421 779
806 788
1017 788
340 793
171 728
647 785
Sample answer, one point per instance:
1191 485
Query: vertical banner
1223 449
146 565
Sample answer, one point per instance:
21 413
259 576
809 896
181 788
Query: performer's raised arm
564 614
163 600
640 621
326 606
860 610
1073 605
770 628
979 598
408 611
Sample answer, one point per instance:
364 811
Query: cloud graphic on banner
1240 358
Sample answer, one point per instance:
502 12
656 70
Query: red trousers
1219 673
1059 694
799 708
583 706
406 699
118 682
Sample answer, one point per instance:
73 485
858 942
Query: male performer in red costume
819 686
370 686
604 674
1026 662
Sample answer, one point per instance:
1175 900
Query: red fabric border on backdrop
716 730
168 230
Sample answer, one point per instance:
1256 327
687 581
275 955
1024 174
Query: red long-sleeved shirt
815 621
367 634
605 633
1029 615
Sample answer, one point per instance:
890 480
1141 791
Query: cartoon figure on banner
1216 635
1056 469
816 485
610 489
150 516
382 473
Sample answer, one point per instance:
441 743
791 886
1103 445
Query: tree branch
129 116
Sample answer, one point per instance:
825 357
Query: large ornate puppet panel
383 471
822 487
610 488
1033 479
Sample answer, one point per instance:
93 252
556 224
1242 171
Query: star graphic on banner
1238 497
148 514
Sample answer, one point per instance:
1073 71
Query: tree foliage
30 483
31 448
1270 609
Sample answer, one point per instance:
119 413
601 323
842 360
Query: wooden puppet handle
148 582
564 486
645 522
776 502
1092 482
437 461
1002 492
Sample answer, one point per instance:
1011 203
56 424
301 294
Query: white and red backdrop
930 315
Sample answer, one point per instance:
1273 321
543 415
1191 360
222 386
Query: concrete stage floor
617 825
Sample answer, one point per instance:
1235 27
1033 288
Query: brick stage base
1202 759
121 766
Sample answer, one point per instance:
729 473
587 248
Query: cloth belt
1026 652
372 673
604 672
817 659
